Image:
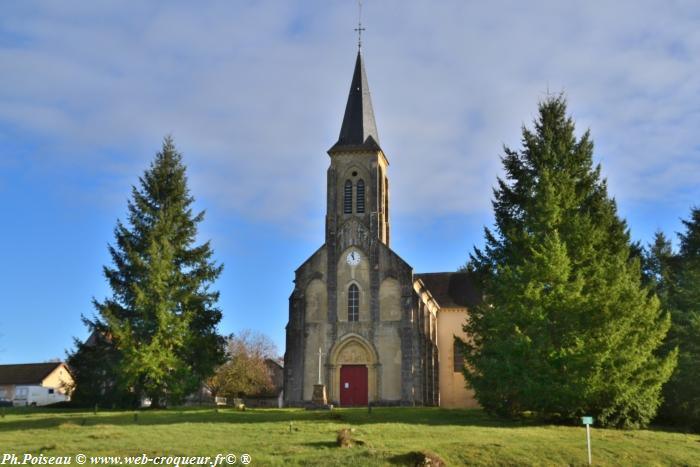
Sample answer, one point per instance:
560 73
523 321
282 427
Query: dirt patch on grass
346 439
72 425
419 459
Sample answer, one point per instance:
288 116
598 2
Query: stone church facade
384 334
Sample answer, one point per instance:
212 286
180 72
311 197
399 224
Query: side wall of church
426 360
315 311
307 326
395 335
389 337
453 390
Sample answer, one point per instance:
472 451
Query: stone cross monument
319 397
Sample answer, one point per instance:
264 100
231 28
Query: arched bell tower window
353 303
347 198
360 197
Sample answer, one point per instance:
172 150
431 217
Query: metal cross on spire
359 27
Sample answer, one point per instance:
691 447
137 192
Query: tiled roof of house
451 289
26 373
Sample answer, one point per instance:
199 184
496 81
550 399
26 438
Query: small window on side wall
458 357
347 198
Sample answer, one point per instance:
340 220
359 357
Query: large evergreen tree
566 328
160 322
679 289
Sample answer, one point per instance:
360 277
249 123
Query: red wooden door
353 385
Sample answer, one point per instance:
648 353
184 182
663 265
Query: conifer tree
566 328
161 318
657 262
682 296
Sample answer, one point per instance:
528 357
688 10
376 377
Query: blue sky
253 94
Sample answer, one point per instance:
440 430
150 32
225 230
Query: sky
253 94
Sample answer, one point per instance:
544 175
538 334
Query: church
361 321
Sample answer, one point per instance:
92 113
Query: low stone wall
380 403
260 402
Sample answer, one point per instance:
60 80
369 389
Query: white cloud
254 92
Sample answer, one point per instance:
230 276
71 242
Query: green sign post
588 421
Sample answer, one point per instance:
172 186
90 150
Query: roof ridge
37 363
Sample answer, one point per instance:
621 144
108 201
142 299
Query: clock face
353 258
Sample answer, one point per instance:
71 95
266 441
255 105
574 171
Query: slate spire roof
359 129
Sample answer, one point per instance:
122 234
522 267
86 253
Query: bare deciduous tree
245 371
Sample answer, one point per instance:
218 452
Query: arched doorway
353 366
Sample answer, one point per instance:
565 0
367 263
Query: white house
35 384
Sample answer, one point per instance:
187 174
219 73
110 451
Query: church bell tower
358 187
350 324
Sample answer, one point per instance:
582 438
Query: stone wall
453 390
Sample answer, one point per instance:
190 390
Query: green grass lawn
387 436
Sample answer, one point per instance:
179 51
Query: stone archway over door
353 371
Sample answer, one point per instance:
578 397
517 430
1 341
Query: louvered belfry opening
360 197
347 198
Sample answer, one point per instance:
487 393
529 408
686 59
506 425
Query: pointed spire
359 127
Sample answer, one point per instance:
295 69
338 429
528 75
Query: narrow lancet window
353 303
347 198
386 199
458 357
360 197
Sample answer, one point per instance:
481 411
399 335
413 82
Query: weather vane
359 27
